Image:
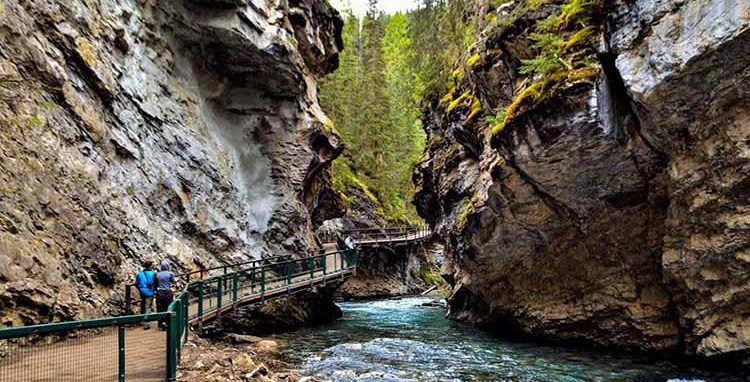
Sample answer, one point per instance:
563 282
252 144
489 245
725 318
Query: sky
388 6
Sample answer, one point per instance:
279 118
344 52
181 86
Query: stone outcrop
686 67
136 130
275 316
387 272
614 212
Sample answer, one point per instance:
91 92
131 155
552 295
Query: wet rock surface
279 315
140 130
387 272
614 212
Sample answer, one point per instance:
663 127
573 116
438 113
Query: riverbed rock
217 361
234 338
143 130
615 211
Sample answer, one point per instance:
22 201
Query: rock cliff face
387 272
137 130
614 211
275 316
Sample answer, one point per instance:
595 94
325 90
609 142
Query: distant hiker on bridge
350 243
145 281
350 247
165 280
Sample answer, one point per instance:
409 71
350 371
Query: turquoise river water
401 340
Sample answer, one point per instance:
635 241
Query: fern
543 64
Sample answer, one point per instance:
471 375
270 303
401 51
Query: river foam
403 340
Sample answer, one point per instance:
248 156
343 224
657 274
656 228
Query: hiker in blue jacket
165 280
145 281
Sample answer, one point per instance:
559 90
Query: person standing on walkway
350 250
145 281
165 280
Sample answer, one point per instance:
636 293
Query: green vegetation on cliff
565 54
393 65
389 65
371 103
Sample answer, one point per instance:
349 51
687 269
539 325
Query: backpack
144 282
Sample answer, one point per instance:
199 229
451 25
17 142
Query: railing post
235 284
288 277
219 293
121 352
186 314
200 305
171 349
262 282
312 269
324 259
178 330
224 278
252 280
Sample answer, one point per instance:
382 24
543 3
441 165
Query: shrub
582 36
525 100
576 11
466 208
429 277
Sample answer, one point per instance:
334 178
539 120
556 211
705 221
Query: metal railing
114 348
187 277
386 235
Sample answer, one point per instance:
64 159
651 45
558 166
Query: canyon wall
142 129
614 210
389 271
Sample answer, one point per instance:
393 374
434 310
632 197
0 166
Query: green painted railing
198 301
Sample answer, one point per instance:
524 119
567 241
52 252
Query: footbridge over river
119 349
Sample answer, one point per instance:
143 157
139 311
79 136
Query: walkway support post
200 305
121 353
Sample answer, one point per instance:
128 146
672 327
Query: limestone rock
181 129
614 212
303 308
234 338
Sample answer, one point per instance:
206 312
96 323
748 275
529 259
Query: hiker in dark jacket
145 281
165 280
